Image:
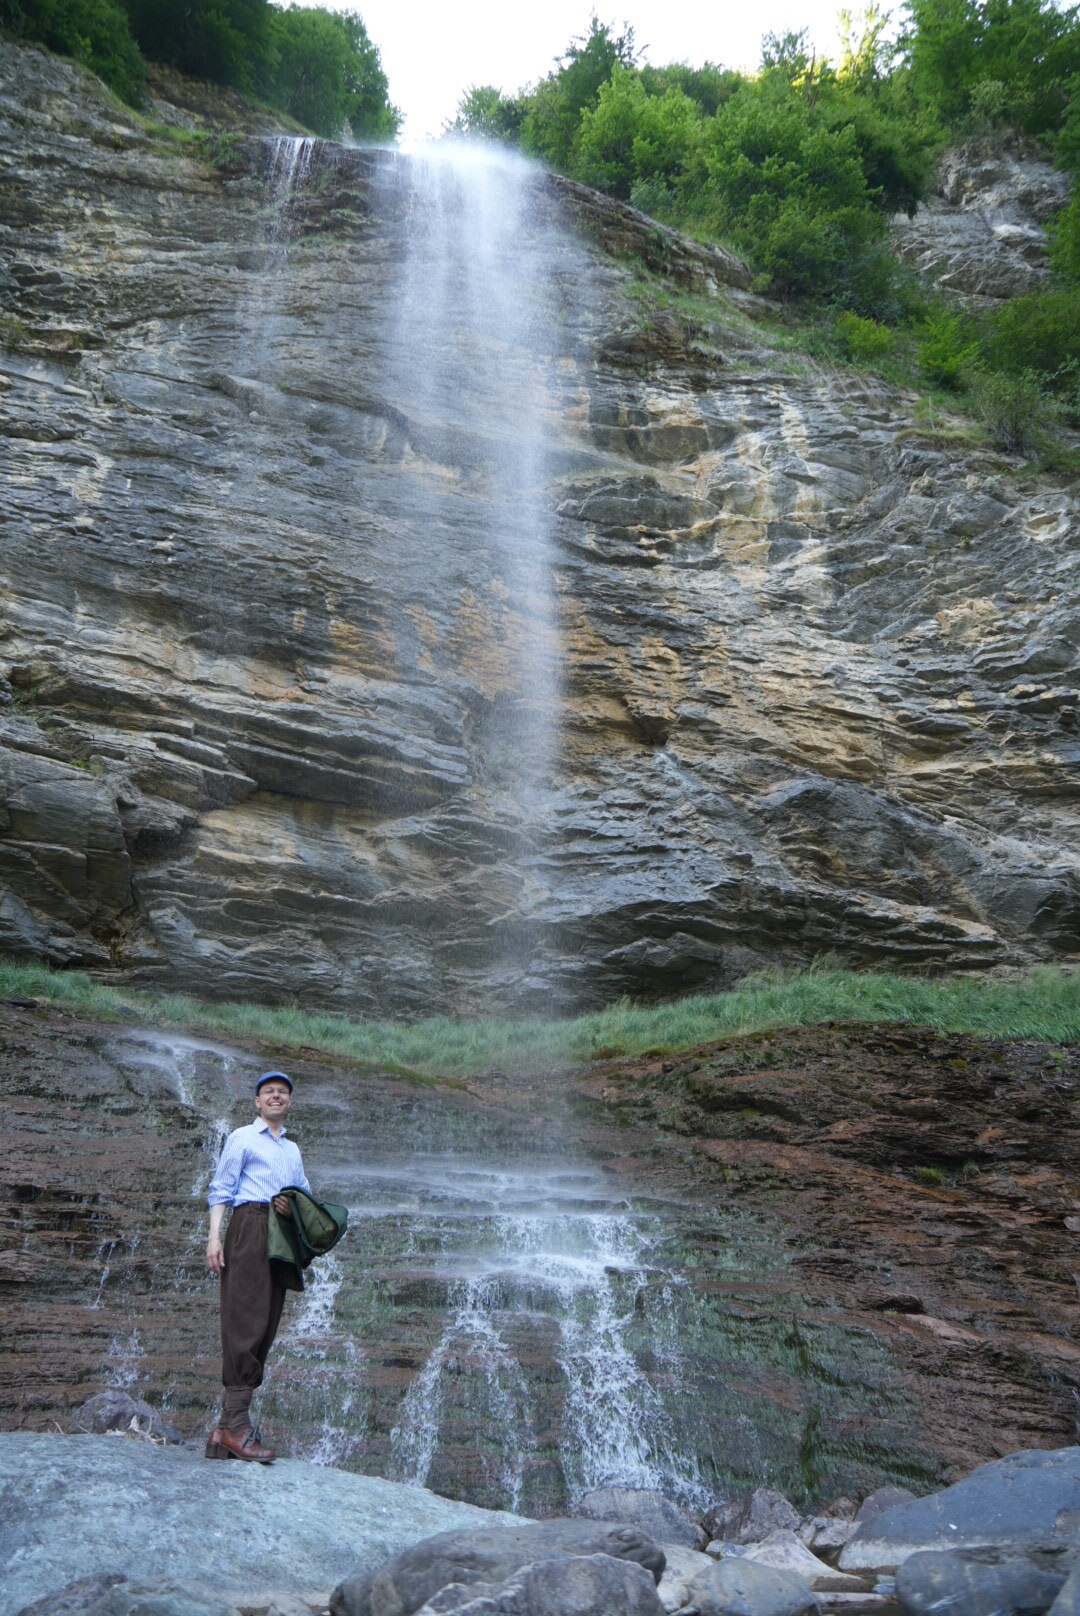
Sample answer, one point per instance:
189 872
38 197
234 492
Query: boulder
883 1498
752 1517
1016 1500
483 1557
112 1594
785 1550
77 1507
743 1588
650 1511
930 1582
682 1566
825 1534
119 1411
1067 1602
567 1585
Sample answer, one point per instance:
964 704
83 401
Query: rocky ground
817 665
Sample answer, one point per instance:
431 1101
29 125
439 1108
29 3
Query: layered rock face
983 233
808 675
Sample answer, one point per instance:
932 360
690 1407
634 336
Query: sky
434 50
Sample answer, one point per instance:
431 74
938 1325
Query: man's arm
220 1195
215 1251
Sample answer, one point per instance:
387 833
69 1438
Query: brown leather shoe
237 1445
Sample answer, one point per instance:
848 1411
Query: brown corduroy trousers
251 1304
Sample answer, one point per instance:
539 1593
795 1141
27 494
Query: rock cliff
815 668
982 232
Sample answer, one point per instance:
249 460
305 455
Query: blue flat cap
282 1077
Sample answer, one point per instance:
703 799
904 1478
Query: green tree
93 32
1031 48
792 191
865 50
709 86
328 76
227 41
630 136
553 109
484 113
788 54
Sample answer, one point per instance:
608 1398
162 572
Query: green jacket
313 1229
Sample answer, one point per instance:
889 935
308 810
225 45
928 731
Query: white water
470 359
544 1246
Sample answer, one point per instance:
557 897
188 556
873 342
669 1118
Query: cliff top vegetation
315 65
799 166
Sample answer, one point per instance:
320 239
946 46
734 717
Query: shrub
862 339
1039 333
1013 408
947 348
1064 233
653 197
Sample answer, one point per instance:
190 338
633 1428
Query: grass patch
1043 1004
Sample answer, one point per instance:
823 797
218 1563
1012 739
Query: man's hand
281 1204
215 1256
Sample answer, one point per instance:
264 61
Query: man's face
273 1100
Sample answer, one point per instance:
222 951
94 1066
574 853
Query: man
256 1164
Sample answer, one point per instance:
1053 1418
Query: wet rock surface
260 718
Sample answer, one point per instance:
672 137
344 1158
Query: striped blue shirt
254 1166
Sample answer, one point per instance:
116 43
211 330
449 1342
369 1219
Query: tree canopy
318 66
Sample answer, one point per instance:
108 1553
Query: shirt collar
263 1126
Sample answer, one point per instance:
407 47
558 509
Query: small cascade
471 1343
290 160
314 1384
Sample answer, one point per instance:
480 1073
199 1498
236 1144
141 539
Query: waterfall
469 359
452 432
